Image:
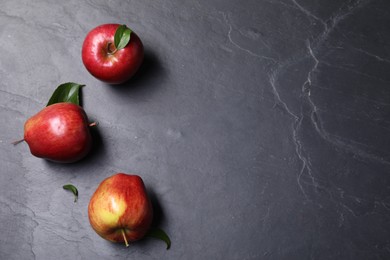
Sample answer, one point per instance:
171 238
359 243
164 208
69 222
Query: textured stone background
261 128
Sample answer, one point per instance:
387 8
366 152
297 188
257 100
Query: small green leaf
67 92
159 234
122 37
73 189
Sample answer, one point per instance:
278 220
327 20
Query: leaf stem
124 237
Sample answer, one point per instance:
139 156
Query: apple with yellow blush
120 209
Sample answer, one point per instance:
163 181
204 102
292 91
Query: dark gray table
261 128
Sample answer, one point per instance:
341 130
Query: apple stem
111 48
93 124
17 142
124 237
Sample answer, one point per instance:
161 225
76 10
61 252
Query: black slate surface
261 128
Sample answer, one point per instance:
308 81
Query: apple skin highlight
120 209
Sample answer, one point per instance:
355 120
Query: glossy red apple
107 61
120 209
59 132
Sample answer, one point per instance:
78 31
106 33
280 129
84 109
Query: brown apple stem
17 142
124 237
111 48
93 124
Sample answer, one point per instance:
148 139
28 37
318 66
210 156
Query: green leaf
159 234
73 189
122 37
67 92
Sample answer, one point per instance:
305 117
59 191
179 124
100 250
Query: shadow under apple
158 213
97 149
145 80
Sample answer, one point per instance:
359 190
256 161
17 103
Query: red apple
120 209
105 61
59 132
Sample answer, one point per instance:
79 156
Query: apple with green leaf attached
60 132
121 211
112 53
